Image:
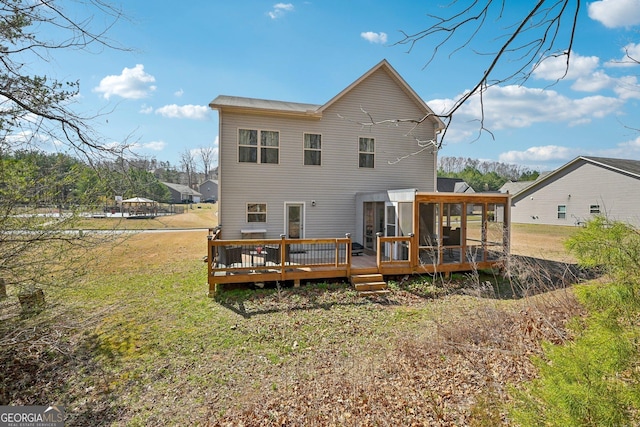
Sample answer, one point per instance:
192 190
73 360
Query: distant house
582 188
453 185
182 193
209 189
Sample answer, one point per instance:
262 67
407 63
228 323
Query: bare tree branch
546 30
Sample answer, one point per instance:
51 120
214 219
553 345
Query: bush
593 380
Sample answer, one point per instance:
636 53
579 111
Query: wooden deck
258 261
449 232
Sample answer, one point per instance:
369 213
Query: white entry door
294 220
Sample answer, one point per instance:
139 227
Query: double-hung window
366 150
258 146
312 149
562 211
256 212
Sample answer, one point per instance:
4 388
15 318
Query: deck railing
277 259
394 251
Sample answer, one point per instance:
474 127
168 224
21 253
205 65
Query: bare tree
36 110
546 29
206 158
188 165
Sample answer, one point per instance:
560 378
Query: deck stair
370 284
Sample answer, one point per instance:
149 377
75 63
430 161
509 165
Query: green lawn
137 342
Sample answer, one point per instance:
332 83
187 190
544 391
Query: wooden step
364 278
370 286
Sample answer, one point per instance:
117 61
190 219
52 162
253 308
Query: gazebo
140 207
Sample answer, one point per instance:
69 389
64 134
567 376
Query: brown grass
138 343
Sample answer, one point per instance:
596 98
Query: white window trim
266 212
367 152
258 146
312 149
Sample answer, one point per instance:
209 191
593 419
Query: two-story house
355 165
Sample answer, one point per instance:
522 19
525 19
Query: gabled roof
182 189
623 166
384 65
265 106
629 167
514 187
453 185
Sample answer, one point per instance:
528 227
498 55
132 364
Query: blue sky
185 54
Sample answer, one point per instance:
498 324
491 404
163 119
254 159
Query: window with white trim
312 149
258 146
366 152
594 209
562 211
256 212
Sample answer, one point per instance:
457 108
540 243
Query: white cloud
132 83
151 145
554 67
627 87
544 153
630 57
372 37
178 93
615 13
594 82
145 109
173 111
279 9
154 145
588 78
509 107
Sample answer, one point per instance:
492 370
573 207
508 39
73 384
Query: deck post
412 257
378 250
348 236
283 256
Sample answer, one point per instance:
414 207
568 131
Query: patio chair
454 237
273 254
230 256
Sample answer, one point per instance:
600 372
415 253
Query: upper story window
562 211
256 212
258 146
312 149
594 209
366 150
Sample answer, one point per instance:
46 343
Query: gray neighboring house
318 170
582 188
209 189
182 193
453 185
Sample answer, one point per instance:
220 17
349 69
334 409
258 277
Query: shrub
593 380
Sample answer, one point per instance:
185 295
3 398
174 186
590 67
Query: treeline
33 177
483 175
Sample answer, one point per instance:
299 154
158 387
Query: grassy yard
137 342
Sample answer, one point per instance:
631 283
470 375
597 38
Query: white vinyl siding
581 187
334 185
